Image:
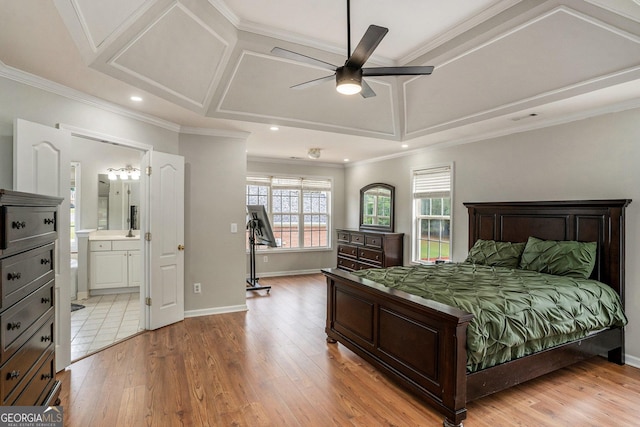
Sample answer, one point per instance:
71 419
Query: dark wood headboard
600 221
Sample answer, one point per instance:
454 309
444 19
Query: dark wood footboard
419 342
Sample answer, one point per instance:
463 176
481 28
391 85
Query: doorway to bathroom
106 262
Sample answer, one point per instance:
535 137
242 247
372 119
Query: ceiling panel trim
300 122
446 36
619 11
523 103
559 9
199 104
94 45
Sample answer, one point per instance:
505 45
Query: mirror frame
370 227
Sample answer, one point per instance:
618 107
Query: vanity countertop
113 235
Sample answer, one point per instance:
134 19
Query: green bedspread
516 312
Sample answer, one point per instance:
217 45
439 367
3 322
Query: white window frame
415 237
300 183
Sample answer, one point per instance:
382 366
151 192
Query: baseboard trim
632 360
289 273
215 310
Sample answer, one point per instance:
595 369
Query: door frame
145 149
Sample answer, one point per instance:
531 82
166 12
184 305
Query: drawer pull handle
13 326
44 377
18 224
13 276
45 300
49 221
45 338
45 261
13 375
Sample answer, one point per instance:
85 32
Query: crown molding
295 162
222 133
595 112
76 95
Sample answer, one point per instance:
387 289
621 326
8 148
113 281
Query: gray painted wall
597 158
215 178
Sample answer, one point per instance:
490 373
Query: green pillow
497 254
562 258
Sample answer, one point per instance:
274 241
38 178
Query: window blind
432 182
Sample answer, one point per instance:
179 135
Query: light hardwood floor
271 366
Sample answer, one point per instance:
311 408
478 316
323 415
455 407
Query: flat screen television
259 221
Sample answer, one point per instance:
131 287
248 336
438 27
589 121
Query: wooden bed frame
421 344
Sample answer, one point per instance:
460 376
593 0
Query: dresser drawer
38 385
356 239
343 236
371 256
373 241
26 227
349 251
21 274
17 323
348 264
21 363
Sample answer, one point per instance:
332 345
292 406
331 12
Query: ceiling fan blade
313 82
366 91
371 39
284 53
398 71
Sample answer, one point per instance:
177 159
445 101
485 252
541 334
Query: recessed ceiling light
274 127
346 160
136 98
405 145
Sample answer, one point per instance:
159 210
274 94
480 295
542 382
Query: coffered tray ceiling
495 60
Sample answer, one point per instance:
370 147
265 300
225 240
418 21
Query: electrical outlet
265 259
197 288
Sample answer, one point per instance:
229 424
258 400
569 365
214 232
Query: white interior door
166 247
41 162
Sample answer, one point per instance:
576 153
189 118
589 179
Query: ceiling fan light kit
349 76
348 80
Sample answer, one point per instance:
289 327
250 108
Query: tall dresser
359 250
28 229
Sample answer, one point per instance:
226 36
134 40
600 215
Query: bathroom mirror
376 207
118 203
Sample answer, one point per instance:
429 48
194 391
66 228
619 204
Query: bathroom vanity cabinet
115 264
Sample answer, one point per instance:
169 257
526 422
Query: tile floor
104 320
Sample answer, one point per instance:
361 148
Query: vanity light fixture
127 172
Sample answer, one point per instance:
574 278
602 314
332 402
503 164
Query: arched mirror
376 207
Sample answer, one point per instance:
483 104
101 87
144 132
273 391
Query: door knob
181 247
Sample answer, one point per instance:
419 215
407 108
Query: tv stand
252 281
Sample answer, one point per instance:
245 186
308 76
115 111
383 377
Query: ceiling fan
349 76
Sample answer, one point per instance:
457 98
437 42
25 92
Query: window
432 214
299 209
